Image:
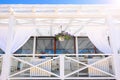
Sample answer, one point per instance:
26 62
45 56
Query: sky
54 1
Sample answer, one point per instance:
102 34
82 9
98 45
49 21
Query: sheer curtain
98 36
115 38
3 37
21 37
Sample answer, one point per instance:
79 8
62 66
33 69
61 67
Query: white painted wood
91 78
116 57
7 56
62 67
34 78
34 46
35 66
76 40
116 65
77 51
38 72
90 65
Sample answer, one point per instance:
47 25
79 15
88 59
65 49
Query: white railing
62 66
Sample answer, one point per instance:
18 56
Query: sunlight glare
116 2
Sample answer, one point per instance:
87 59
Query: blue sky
54 1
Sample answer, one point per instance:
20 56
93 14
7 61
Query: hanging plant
63 36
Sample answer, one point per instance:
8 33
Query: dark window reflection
27 48
65 47
45 45
85 46
1 51
48 45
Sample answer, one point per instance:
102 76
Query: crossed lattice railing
61 66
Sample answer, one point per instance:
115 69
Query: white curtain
21 37
18 38
115 45
3 37
115 38
98 36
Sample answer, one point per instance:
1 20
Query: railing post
34 46
62 62
7 56
76 39
114 42
116 66
6 66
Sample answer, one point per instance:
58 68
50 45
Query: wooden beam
52 15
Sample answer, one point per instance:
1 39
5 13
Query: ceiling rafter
68 25
38 32
51 28
81 27
46 13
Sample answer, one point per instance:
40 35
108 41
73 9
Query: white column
76 39
116 58
77 53
34 46
116 66
7 56
62 62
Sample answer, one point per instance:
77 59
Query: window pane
85 46
45 45
1 51
65 47
27 48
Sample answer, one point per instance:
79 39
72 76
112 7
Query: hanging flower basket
63 36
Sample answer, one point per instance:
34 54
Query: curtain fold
21 37
115 38
3 37
98 36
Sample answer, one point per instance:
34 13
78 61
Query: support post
62 62
116 66
76 44
34 46
77 53
7 56
113 45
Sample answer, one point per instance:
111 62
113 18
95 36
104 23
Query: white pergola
47 20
